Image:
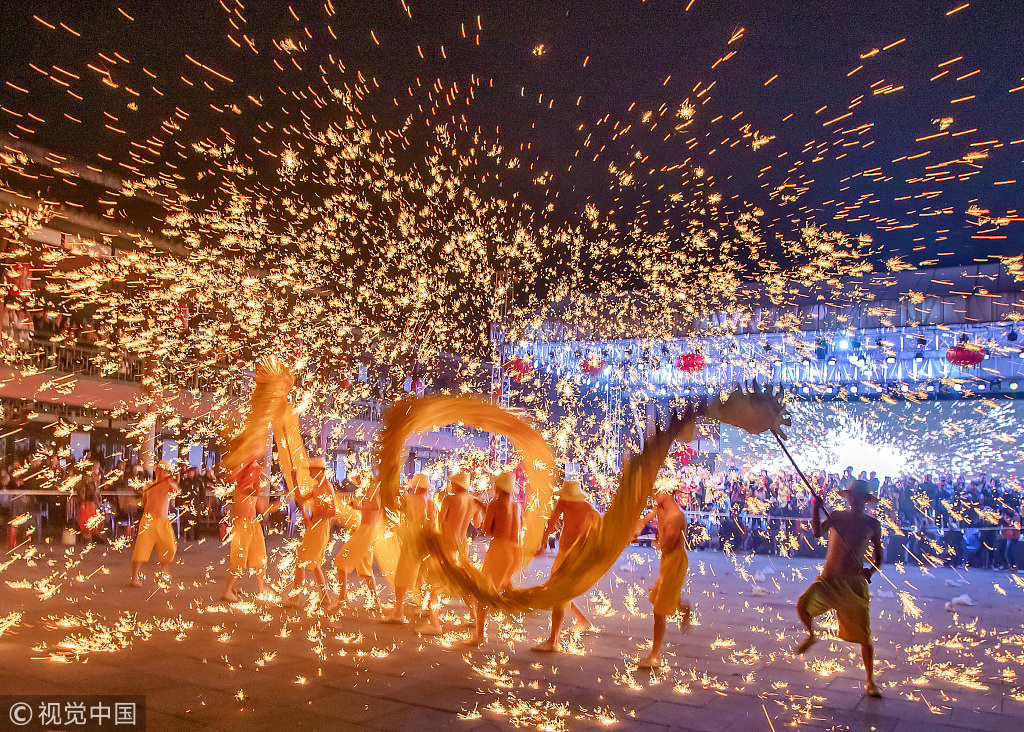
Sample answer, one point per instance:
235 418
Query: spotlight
982 387
1014 386
828 390
904 388
844 345
1011 336
919 357
806 390
806 362
957 387
751 363
890 359
930 389
853 389
832 361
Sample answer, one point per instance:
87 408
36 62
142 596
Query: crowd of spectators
50 494
929 518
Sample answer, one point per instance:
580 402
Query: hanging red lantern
691 363
593 365
684 455
965 355
518 368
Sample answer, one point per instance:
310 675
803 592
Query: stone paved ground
70 624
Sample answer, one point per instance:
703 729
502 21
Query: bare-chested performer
248 549
357 553
843 584
316 533
155 528
578 519
419 511
666 594
458 509
502 522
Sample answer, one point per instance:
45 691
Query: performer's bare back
503 520
457 511
856 533
576 517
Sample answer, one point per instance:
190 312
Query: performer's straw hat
419 482
572 491
460 480
504 482
860 488
317 462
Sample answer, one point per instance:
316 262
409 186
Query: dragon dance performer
843 584
419 510
578 518
503 523
155 528
316 533
357 553
666 593
458 509
248 549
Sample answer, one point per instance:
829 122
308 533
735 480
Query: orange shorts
155 533
314 545
248 549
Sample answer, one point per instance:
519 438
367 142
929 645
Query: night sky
796 67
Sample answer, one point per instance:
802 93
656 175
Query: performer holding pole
315 535
155 530
248 548
357 553
578 519
419 511
667 593
843 584
503 524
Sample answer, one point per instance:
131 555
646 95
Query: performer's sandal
650 663
546 647
872 691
